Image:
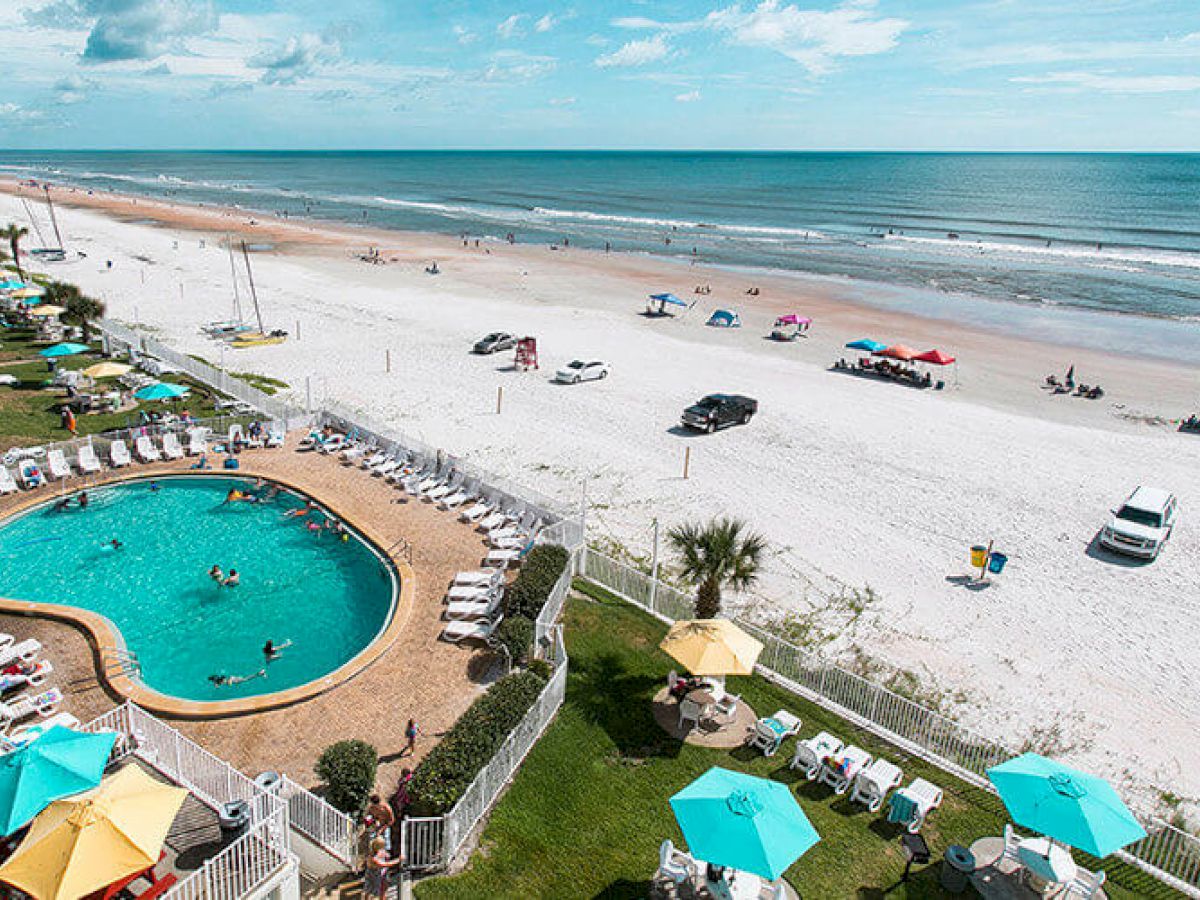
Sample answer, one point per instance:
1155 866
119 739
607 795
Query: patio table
701 697
1049 864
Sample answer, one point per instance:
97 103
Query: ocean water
328 597
1117 233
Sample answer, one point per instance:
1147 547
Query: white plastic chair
1086 884
924 796
690 711
811 753
873 783
7 485
675 865
840 777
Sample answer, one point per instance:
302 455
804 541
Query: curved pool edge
106 638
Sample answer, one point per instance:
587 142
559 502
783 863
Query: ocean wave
1121 258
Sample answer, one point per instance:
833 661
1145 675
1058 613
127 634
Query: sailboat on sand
262 337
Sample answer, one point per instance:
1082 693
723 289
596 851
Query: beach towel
902 809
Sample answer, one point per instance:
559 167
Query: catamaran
262 337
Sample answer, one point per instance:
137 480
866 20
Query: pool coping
108 643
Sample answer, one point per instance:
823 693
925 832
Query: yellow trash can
978 556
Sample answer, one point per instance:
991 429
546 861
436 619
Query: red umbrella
899 351
937 357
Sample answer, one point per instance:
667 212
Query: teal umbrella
67 349
163 390
743 822
58 764
1066 805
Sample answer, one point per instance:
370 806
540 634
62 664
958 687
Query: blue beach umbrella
1066 805
67 349
866 344
743 822
58 764
11 284
163 390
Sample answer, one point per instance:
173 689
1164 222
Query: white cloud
1116 84
129 29
71 89
464 35
513 65
545 23
813 38
510 27
298 58
14 113
688 97
636 53
1018 54
562 101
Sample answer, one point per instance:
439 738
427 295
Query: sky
623 74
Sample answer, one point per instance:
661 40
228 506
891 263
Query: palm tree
82 310
13 233
721 554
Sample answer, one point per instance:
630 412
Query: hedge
447 771
348 770
540 571
516 632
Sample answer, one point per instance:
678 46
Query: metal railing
431 843
327 827
1166 854
245 867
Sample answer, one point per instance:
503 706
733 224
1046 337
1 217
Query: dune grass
587 811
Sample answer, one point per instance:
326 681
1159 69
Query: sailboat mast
253 292
53 219
32 221
237 300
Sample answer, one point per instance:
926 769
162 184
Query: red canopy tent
937 357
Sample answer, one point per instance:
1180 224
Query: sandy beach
856 483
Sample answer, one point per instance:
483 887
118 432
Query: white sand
854 482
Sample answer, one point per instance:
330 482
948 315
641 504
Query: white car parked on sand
1142 524
581 370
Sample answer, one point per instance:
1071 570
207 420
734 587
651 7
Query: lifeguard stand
527 357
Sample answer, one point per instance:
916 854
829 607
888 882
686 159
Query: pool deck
412 674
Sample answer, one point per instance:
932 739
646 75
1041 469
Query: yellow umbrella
47 311
89 841
106 370
26 292
712 647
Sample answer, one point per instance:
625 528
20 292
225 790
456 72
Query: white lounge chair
197 441
36 676
498 519
6 640
478 511
811 753
27 734
118 454
911 805
375 459
770 732
461 630
276 435
472 591
445 489
388 466
1086 884
474 609
31 474
457 499
839 770
7 485
25 651
145 450
171 447
44 704
355 452
480 577
332 444
675 865
88 463
411 483
56 463
503 557
872 784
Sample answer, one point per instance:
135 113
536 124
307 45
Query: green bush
541 669
516 633
450 767
348 770
540 571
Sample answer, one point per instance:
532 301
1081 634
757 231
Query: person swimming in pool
115 544
225 680
84 500
155 487
233 579
216 574
301 511
273 651
234 496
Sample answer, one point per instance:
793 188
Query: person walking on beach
411 730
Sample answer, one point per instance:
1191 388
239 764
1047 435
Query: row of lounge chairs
24 693
824 758
474 605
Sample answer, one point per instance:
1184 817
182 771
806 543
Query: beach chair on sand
44 704
504 557
480 577
26 735
197 442
34 676
170 446
839 770
7 485
461 630
118 454
31 474
873 783
811 753
474 609
472 592
478 511
911 805
457 499
25 651
374 459
388 466
89 464
56 464
770 732
445 489
145 450
276 435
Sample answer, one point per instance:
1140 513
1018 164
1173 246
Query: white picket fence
546 623
1168 854
321 823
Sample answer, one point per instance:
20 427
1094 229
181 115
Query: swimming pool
329 597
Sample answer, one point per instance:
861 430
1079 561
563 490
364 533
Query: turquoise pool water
329 597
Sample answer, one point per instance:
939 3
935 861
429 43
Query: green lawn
29 410
586 813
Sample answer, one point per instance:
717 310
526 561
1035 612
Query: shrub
541 669
348 770
539 573
516 633
450 767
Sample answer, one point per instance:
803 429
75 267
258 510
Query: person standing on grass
379 866
411 730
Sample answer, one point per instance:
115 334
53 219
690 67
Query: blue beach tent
724 318
657 304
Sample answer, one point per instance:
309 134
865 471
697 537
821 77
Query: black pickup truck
718 410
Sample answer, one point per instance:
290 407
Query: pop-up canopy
897 351
668 298
866 344
793 319
937 357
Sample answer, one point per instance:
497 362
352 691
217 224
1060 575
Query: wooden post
297 329
499 398
387 360
687 461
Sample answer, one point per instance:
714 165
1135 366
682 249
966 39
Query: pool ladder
118 661
401 548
